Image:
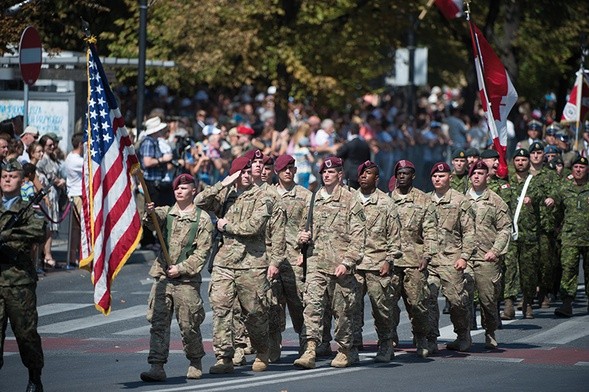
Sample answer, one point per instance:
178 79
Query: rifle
14 219
308 227
217 235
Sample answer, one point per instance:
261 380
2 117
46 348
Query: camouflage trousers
548 260
526 255
452 283
410 284
570 269
511 286
485 277
182 298
19 305
380 293
248 287
287 291
325 291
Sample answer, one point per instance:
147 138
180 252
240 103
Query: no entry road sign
30 55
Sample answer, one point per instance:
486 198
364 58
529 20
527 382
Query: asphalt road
86 351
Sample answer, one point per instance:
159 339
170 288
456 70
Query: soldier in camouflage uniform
289 283
548 184
449 243
495 183
522 255
493 231
409 276
241 271
575 243
18 275
459 180
176 287
336 245
381 248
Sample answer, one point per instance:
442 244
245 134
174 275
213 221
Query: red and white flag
451 9
111 225
580 93
498 96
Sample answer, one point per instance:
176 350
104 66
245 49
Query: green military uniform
381 245
18 282
459 182
188 238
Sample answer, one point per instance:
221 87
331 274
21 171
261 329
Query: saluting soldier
18 275
241 272
409 276
493 231
336 245
187 231
449 238
381 248
575 242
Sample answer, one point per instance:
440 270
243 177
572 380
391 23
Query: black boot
35 381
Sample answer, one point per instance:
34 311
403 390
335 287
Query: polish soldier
381 248
449 238
176 287
409 275
336 245
535 129
493 231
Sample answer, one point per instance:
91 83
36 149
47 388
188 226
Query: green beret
459 153
536 146
580 161
472 152
12 165
521 152
489 154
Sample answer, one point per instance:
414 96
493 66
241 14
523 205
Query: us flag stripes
111 226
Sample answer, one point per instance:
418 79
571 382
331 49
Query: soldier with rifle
21 226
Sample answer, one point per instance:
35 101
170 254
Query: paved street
85 351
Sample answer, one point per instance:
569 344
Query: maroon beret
253 154
392 183
267 160
240 163
440 167
403 163
184 178
367 165
282 162
331 162
244 130
478 165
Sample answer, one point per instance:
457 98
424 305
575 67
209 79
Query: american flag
111 226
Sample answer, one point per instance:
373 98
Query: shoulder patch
505 186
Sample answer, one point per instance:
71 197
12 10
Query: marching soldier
459 180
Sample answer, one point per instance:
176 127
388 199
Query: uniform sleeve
29 229
468 230
393 234
503 226
160 213
211 198
253 226
430 243
277 226
203 240
356 234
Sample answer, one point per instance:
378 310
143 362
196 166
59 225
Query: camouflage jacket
549 185
275 229
177 230
16 266
500 187
492 224
459 182
448 229
529 219
411 209
295 202
248 213
382 231
575 202
337 235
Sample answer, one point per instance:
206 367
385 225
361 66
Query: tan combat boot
385 352
527 310
422 346
222 366
307 360
490 341
508 310
462 342
261 362
194 370
566 310
239 357
342 359
156 373
274 347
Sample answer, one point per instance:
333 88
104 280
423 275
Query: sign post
30 58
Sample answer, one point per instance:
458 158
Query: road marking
582 364
94 321
46 310
563 333
447 333
493 359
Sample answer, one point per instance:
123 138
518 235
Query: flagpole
580 79
154 220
